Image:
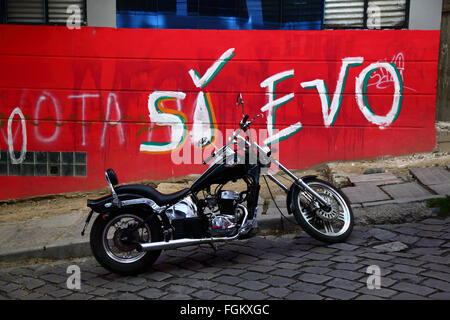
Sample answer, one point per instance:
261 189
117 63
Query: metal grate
344 13
370 14
57 10
43 11
392 13
29 11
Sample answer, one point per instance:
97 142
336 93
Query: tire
318 223
102 251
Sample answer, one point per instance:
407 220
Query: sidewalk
379 198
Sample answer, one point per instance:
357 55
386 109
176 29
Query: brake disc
331 215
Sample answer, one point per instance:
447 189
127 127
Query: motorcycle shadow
258 254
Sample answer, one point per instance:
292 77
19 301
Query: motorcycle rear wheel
334 226
119 256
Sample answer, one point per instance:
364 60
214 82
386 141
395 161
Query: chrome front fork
323 204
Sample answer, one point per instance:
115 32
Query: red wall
45 70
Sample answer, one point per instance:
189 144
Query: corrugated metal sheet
350 13
392 12
344 13
30 11
33 11
57 10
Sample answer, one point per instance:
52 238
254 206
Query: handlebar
242 127
256 117
244 124
224 147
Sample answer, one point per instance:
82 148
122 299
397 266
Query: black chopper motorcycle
136 222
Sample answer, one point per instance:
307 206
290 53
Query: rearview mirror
240 101
203 142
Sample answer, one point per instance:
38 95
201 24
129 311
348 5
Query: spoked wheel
333 226
113 242
120 237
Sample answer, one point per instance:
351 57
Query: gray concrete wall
443 136
443 96
101 13
425 15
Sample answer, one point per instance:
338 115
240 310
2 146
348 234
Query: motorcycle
136 222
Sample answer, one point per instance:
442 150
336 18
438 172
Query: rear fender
104 207
103 204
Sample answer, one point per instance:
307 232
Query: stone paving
414 260
385 188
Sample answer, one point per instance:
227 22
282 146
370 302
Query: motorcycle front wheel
333 226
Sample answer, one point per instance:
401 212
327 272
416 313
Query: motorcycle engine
225 223
228 201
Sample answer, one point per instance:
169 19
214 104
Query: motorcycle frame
250 143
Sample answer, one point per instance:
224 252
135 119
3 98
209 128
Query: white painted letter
176 120
42 98
203 126
24 137
361 94
111 97
83 109
272 106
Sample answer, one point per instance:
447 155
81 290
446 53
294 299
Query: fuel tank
219 174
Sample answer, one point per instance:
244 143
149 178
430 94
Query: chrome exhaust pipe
178 243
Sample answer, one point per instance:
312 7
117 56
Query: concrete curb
55 252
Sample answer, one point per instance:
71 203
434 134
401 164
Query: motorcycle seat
98 204
151 193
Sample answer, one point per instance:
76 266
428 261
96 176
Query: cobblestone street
284 267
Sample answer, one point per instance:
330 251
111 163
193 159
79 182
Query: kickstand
213 245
